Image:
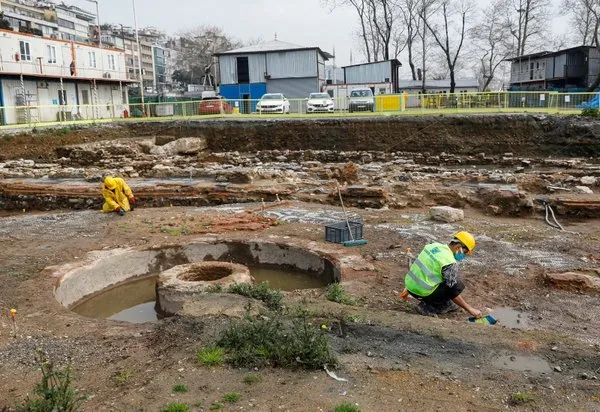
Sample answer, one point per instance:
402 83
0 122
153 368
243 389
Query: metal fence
397 104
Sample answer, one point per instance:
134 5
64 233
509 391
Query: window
66 23
25 50
111 62
51 54
85 97
92 59
243 71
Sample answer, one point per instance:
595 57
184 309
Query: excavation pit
96 286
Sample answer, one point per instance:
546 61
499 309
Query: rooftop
273 46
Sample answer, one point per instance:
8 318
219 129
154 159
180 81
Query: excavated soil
391 170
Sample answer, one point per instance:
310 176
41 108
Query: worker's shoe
426 309
447 307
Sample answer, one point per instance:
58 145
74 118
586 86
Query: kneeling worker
434 280
118 196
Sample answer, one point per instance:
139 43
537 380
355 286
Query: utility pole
139 58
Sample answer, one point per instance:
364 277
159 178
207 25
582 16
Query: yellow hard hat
466 239
111 183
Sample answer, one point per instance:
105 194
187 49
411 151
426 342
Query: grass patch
521 398
590 112
346 407
272 298
210 356
176 407
251 379
216 406
121 378
55 391
180 388
214 288
175 231
272 341
336 293
231 397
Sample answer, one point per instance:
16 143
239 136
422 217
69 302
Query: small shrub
270 341
7 137
521 398
176 407
55 392
62 131
590 112
346 407
122 377
210 356
179 388
216 406
231 397
216 288
336 293
271 297
252 379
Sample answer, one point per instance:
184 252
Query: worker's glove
120 211
131 203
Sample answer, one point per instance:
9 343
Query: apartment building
44 79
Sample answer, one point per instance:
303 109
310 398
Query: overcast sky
303 22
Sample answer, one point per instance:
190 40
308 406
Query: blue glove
121 212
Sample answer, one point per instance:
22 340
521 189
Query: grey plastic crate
338 232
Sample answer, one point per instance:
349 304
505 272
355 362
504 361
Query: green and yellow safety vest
425 274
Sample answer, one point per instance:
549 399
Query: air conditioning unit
42 84
106 75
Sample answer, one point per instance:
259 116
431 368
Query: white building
44 80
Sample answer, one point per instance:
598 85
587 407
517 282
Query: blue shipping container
244 93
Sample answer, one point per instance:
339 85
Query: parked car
215 105
273 103
319 102
361 100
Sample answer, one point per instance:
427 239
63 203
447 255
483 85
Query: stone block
446 214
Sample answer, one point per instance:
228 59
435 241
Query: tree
412 23
582 19
383 17
443 35
489 42
527 21
196 49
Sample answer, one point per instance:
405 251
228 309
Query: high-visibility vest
425 274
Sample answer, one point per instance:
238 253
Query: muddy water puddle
522 363
511 318
135 301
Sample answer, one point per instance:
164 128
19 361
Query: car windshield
361 93
319 96
276 96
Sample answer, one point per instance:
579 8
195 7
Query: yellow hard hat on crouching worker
111 183
466 239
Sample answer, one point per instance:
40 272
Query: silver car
361 100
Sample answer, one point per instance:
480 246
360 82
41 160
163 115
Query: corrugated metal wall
369 73
292 64
593 65
228 68
293 88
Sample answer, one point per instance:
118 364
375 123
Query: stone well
189 282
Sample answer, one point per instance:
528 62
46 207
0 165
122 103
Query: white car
273 103
319 102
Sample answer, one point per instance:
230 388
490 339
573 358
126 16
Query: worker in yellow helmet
434 280
118 196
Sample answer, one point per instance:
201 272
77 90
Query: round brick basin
190 281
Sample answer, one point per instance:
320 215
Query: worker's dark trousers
441 297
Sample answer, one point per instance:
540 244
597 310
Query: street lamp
98 22
139 57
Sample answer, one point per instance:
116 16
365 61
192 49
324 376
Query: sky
302 22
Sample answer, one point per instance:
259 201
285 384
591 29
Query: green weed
180 388
590 112
271 297
210 356
521 398
55 392
216 406
231 397
122 377
336 293
271 341
214 288
251 379
176 407
346 407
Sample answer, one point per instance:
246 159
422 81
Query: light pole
139 57
98 22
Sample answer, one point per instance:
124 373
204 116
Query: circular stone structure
189 282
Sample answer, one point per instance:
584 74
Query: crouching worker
434 280
118 196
